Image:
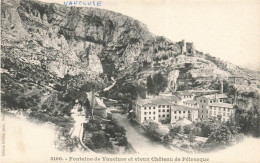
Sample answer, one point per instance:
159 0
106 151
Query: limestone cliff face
69 40
87 42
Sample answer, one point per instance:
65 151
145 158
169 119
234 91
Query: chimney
221 86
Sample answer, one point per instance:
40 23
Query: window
168 115
204 101
175 117
228 110
153 118
145 118
210 101
224 113
224 109
202 111
163 106
201 101
159 110
220 100
168 110
201 116
175 112
144 113
183 112
154 112
149 112
159 106
144 108
153 107
214 112
228 114
210 112
179 112
202 106
149 108
163 110
163 115
168 106
224 119
159 115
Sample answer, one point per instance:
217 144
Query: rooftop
184 93
221 104
190 102
181 108
236 76
171 98
213 96
183 122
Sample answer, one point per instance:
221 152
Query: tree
100 139
220 136
122 141
167 139
156 84
191 137
92 126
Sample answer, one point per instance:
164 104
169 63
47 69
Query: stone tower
183 48
192 49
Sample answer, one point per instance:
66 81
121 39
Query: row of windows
145 118
178 117
163 106
149 108
224 109
219 113
160 106
164 116
175 112
149 113
168 110
187 96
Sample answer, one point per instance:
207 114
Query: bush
92 126
100 139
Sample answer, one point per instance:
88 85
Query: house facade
159 109
222 111
206 100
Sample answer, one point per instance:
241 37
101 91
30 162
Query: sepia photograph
130 81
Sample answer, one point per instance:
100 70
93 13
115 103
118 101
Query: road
135 136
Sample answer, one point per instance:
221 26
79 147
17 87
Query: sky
229 30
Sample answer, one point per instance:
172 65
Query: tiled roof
213 96
221 104
184 93
181 108
161 101
171 98
190 102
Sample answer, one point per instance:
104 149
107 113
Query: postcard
104 81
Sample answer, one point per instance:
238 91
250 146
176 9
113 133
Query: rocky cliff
54 40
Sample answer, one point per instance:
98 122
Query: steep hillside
47 42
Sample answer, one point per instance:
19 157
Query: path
140 143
